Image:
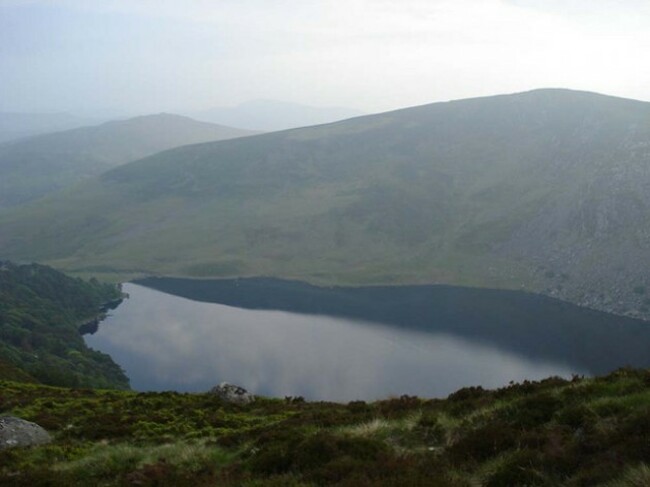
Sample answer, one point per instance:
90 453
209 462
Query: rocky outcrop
16 432
232 393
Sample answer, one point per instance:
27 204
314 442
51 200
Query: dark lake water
282 338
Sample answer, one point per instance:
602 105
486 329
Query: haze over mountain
271 115
19 125
32 167
547 190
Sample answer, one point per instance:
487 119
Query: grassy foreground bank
553 432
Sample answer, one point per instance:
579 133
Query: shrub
328 458
394 408
576 416
483 443
323 455
429 428
638 476
533 411
358 407
467 393
523 469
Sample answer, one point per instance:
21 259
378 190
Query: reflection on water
167 342
537 327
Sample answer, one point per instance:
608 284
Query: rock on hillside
16 432
232 393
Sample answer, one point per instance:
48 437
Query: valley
312 244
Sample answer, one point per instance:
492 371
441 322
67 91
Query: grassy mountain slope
32 167
545 190
584 432
41 311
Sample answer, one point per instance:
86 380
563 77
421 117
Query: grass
105 459
553 432
638 476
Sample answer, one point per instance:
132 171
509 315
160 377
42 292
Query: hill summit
35 166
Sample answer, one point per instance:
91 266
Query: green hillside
583 432
544 190
33 167
41 311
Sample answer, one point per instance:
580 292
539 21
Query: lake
282 338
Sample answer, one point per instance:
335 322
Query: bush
323 455
395 408
328 458
483 443
429 428
533 411
576 416
523 468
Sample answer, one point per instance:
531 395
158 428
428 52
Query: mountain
272 115
546 191
18 125
32 167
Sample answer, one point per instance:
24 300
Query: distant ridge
547 191
35 166
15 125
271 115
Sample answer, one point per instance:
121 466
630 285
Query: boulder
232 393
18 432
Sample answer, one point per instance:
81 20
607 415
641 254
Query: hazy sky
142 56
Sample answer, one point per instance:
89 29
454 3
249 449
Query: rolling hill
32 167
546 191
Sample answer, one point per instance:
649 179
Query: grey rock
16 432
232 393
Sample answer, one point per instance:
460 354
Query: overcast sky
144 56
